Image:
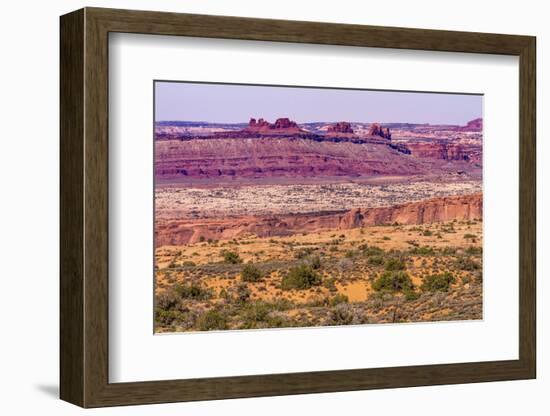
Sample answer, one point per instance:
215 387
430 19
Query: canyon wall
178 232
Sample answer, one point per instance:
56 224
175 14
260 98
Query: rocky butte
340 127
281 126
473 125
376 130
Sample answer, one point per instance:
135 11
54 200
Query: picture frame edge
84 215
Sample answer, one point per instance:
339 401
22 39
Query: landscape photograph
286 207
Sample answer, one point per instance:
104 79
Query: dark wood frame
84 207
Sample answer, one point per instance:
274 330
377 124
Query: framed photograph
257 207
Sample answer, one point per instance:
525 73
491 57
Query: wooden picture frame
84 207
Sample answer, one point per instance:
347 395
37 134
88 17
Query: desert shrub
350 254
448 251
410 294
167 317
212 320
255 312
301 277
376 260
189 263
395 263
277 320
466 263
341 315
192 291
167 300
333 249
393 281
373 251
230 257
315 262
240 293
202 239
449 229
261 314
330 284
386 238
474 251
338 299
423 251
303 252
468 235
438 282
427 233
251 273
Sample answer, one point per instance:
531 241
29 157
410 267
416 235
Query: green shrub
423 251
251 273
410 294
373 251
438 282
167 317
393 281
376 260
301 277
466 263
315 262
341 315
330 284
474 250
303 252
241 293
261 314
212 320
394 263
192 291
256 312
167 300
448 251
338 299
231 257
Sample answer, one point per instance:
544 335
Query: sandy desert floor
380 274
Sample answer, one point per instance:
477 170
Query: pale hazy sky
227 103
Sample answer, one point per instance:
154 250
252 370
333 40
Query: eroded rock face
462 207
473 125
278 157
438 150
376 130
340 127
280 124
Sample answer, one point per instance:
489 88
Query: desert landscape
285 223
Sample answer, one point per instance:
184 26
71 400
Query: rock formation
281 125
461 207
438 150
340 127
473 125
266 157
376 130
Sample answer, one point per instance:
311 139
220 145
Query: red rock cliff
461 207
